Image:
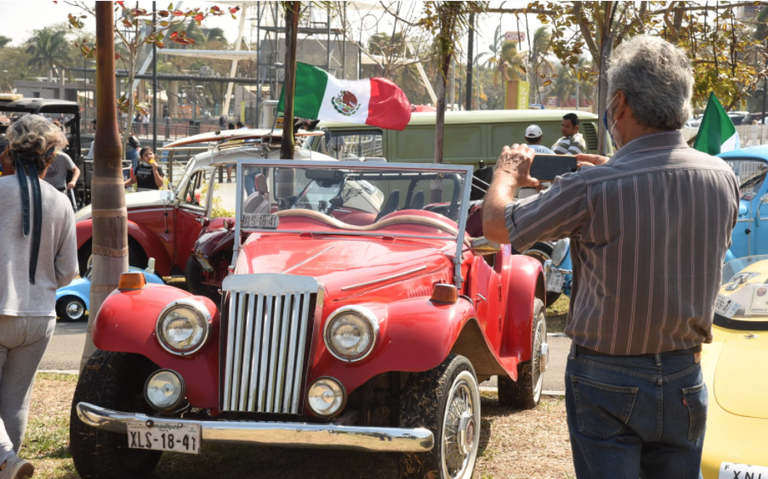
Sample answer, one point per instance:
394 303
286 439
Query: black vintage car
17 107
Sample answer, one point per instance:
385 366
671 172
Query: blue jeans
635 416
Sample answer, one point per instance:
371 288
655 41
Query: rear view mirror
482 246
166 196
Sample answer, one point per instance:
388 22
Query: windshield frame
465 170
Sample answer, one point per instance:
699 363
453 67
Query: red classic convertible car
355 316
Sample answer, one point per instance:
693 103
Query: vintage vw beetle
165 224
734 370
348 321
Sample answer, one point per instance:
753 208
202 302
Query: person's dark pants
635 416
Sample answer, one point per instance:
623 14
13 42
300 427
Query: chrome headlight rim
344 396
560 252
182 387
198 308
366 314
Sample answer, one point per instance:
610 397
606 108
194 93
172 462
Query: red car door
188 215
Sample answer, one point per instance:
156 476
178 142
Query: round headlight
561 249
326 397
350 333
183 327
164 389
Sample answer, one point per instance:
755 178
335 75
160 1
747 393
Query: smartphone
547 167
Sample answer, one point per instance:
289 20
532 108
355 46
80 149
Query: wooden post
110 232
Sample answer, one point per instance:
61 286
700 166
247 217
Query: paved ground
66 348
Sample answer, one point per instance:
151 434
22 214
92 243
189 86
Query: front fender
526 283
126 323
152 246
415 335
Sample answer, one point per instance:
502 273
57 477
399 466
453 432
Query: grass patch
557 314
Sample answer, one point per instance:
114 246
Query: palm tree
49 48
215 35
539 66
504 59
4 41
565 84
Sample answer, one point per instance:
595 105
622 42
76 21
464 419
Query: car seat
391 205
258 201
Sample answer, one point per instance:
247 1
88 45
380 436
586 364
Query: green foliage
719 44
48 48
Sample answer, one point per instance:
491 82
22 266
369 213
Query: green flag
716 131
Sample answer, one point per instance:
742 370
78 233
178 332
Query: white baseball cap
533 131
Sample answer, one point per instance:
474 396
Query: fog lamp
164 390
326 397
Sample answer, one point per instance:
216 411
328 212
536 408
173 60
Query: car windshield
363 198
743 298
751 174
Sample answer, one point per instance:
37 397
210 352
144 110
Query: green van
470 136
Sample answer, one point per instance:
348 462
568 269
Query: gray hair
32 137
657 80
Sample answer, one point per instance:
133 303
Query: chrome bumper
286 434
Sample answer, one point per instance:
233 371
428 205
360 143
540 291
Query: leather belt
578 350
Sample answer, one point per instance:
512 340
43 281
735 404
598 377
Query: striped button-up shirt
570 145
649 231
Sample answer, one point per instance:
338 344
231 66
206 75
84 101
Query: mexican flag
716 131
373 101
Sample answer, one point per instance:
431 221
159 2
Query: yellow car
735 370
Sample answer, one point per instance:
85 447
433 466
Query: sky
20 18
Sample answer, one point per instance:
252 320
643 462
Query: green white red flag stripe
372 101
716 131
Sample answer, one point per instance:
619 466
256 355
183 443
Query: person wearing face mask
649 230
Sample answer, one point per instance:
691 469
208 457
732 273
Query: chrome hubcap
75 310
466 432
460 430
540 356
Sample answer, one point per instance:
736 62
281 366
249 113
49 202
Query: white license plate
165 437
555 280
730 470
260 220
725 306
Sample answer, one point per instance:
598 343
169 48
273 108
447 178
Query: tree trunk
435 190
110 230
289 85
286 178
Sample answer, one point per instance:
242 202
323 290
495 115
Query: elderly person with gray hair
649 230
38 255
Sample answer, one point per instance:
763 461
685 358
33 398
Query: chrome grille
266 342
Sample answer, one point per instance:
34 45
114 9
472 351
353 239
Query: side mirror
166 196
150 266
482 246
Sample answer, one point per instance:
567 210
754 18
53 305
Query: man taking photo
649 230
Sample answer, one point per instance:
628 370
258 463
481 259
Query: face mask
605 122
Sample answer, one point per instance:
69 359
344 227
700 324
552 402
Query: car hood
140 199
741 380
345 267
